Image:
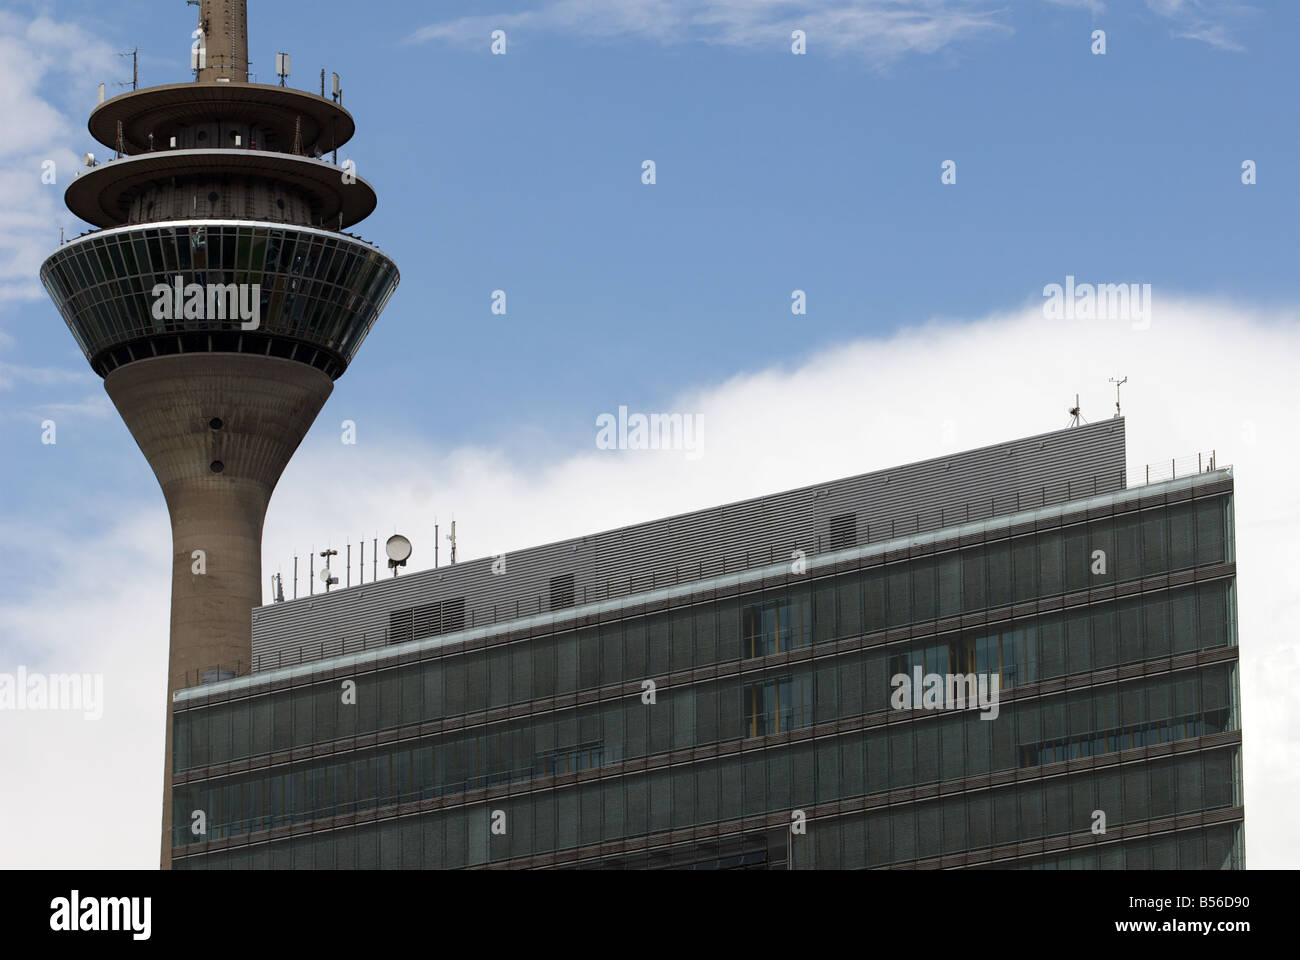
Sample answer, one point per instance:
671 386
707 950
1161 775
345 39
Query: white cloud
48 70
103 609
1095 7
1208 21
94 405
1206 375
877 30
11 373
1216 35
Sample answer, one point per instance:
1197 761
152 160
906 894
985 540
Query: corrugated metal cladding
1049 468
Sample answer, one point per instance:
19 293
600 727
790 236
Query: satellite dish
327 577
398 549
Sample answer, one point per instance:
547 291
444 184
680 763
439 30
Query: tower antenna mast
1076 414
1118 384
134 54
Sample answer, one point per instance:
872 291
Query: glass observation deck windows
320 292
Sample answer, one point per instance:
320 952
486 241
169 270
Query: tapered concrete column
226 38
218 430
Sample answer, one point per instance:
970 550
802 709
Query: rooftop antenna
452 537
277 589
134 54
435 543
282 67
326 577
338 90
398 549
1076 414
1118 384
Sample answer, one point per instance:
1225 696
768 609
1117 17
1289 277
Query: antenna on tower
282 67
277 589
326 577
398 549
1076 414
452 537
1118 384
134 54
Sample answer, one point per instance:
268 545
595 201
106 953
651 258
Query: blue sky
775 172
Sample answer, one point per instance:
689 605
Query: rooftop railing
1166 470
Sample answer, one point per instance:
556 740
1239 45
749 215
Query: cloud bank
1205 375
878 31
46 66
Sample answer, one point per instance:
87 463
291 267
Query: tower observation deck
219 298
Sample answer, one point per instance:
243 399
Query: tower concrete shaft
225 33
218 432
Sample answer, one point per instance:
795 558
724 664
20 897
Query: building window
585 756
766 627
777 705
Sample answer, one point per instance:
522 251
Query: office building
721 689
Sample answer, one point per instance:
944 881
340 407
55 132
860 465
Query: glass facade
1112 639
320 292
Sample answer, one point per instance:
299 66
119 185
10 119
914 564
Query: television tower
219 299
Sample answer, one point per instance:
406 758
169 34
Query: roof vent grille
844 531
562 591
